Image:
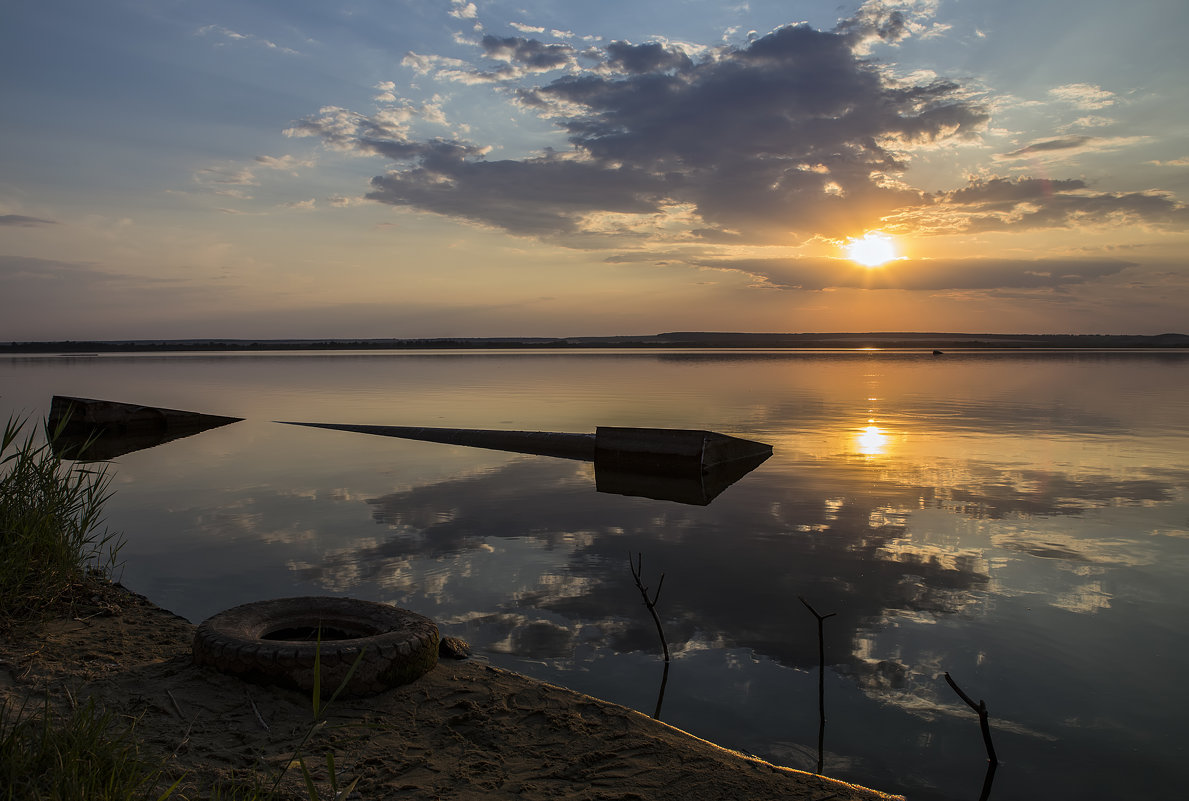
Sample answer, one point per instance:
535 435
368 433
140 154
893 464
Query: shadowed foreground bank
463 730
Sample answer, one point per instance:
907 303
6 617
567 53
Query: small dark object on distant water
454 648
937 353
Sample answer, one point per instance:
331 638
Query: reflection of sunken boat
683 465
97 430
680 465
695 487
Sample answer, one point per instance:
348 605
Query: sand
463 730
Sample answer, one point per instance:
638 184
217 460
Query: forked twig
821 680
981 709
637 569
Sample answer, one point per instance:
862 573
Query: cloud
387 92
1182 162
288 164
785 137
921 274
1070 144
1003 204
24 221
385 133
47 294
1006 190
874 21
425 64
53 272
789 135
28 267
524 56
623 57
1084 96
1090 121
463 9
1044 146
234 36
890 22
227 180
235 180
546 196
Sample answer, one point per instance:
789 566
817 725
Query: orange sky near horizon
215 170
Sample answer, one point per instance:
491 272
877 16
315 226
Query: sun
872 250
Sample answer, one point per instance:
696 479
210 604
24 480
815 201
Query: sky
436 168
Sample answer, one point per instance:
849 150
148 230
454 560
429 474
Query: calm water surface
1020 520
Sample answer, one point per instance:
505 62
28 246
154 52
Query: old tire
275 642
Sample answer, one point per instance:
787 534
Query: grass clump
51 518
51 538
83 755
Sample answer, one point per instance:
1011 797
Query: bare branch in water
637 570
981 709
821 680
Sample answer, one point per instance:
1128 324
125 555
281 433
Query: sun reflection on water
871 440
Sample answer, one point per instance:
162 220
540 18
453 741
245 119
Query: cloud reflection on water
828 534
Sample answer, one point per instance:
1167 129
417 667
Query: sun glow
872 250
871 441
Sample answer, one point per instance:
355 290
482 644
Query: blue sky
173 168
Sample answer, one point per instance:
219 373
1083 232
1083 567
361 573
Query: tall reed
84 754
51 523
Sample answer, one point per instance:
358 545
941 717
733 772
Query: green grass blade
318 673
347 679
172 787
350 788
305 773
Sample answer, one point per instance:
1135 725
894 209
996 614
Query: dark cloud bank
792 135
939 274
788 135
23 221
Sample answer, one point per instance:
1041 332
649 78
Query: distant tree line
691 340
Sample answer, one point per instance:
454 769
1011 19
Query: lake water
1018 519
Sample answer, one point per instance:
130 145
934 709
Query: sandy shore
464 730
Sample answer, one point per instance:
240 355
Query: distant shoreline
689 340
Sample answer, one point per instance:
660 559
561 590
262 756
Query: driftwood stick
988 781
637 570
821 681
176 707
984 724
185 741
821 656
660 696
259 719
